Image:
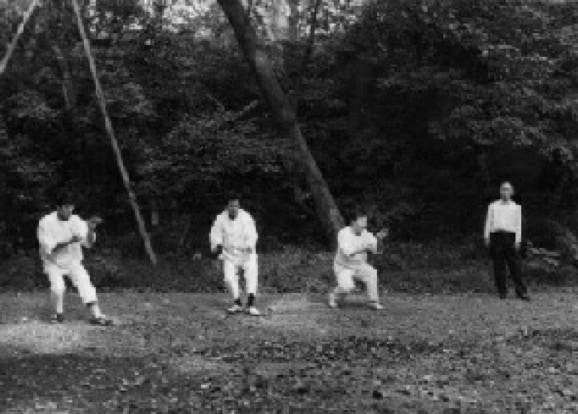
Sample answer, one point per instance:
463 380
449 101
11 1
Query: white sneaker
235 309
375 305
332 302
253 311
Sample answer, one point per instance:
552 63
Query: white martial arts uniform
236 235
349 268
67 261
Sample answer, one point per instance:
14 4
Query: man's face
359 225
506 192
233 209
65 211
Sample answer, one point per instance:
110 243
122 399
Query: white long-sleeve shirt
349 243
234 235
52 230
504 216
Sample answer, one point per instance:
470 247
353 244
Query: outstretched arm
375 242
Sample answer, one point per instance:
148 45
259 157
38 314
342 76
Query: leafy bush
408 268
22 273
414 109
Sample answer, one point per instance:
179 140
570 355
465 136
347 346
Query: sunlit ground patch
43 338
295 312
197 364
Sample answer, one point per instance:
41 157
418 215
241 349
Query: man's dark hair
233 196
64 198
355 213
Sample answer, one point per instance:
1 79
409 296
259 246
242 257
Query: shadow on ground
183 353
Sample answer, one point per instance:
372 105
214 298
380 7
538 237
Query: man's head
358 221
64 205
506 191
233 205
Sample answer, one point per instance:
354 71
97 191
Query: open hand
93 222
383 233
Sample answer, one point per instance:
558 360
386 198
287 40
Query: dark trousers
504 255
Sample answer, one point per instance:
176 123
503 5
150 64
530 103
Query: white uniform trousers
77 275
364 273
231 271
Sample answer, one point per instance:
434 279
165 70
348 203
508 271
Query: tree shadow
60 381
96 383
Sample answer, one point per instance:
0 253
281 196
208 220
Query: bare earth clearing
181 353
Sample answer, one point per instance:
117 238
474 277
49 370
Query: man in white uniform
61 236
234 240
503 235
354 242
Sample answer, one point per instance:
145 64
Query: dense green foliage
416 109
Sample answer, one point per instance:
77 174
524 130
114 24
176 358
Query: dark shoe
57 318
503 295
101 321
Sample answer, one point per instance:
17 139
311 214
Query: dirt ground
182 353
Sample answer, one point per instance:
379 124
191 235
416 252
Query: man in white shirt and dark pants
350 264
503 236
234 240
61 236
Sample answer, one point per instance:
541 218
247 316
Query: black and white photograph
288 206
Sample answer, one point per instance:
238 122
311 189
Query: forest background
416 110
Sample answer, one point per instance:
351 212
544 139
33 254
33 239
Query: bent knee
58 288
371 272
230 274
347 289
346 286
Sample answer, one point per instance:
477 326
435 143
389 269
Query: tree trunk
113 141
67 83
69 94
293 22
19 31
326 208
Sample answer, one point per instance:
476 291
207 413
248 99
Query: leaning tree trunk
326 208
68 90
69 95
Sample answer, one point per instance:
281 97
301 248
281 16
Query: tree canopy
415 109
